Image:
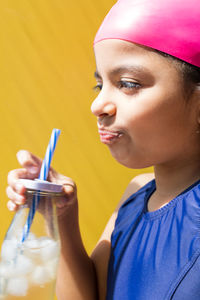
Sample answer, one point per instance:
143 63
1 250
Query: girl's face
141 109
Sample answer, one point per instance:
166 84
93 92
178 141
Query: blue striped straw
43 176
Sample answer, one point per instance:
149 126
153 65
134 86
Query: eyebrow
96 75
137 70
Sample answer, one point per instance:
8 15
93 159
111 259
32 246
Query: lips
108 136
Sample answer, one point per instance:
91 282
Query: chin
130 162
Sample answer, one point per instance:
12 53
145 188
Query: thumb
29 161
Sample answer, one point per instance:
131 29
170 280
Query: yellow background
46 80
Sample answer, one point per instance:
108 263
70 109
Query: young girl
148 112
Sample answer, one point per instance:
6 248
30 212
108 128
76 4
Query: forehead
113 53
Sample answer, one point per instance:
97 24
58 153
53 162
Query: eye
97 87
129 85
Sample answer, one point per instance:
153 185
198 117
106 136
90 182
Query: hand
31 168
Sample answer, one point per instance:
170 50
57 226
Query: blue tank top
156 255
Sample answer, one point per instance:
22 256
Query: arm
76 274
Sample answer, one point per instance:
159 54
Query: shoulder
135 184
101 253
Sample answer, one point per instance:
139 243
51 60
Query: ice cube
6 270
23 265
2 287
9 249
31 248
50 251
40 275
44 241
17 286
32 243
51 267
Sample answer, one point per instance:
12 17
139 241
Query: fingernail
19 200
11 206
33 170
20 155
68 188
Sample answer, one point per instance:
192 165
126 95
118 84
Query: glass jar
30 251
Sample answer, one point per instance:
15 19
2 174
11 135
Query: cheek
154 120
155 114
140 117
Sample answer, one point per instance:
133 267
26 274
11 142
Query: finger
69 189
15 197
15 175
29 161
69 186
60 179
12 206
69 196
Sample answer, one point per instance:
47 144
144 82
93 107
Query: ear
197 95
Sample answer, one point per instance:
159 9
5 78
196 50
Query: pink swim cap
171 26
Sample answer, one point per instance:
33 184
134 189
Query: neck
171 180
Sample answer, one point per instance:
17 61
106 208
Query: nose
102 107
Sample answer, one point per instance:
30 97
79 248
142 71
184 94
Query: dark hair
189 73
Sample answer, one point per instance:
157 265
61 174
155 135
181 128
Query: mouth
108 136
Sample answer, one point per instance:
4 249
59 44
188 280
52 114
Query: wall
46 80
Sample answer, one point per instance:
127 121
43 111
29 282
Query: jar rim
41 185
